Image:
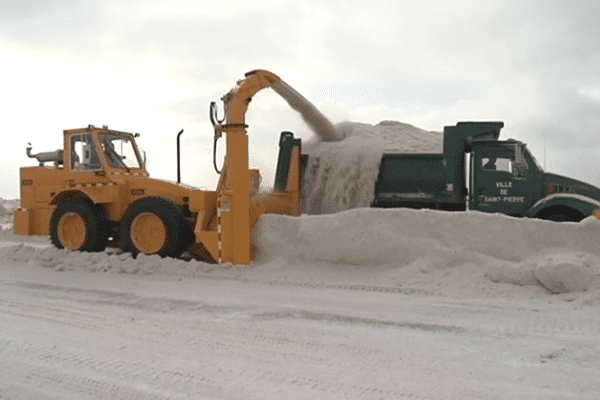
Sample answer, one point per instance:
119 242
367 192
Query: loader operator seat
114 158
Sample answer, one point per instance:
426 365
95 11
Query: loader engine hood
157 187
561 184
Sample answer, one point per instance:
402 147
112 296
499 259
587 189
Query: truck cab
504 177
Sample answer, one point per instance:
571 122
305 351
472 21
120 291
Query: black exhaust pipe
179 157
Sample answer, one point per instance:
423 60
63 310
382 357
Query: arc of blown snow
310 114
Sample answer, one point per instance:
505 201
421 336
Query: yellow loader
97 193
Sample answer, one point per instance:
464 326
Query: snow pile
400 137
456 254
561 257
559 272
7 207
110 262
564 273
341 175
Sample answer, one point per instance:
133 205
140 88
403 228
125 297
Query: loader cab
93 150
503 177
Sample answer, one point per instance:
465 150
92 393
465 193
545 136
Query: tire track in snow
61 367
90 388
446 316
276 343
230 338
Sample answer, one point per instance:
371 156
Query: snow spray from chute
310 114
342 171
342 175
343 163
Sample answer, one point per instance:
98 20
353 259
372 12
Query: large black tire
79 225
175 228
560 218
560 214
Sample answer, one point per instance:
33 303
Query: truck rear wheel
155 226
78 225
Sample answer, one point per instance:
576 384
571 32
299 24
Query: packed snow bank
557 271
7 207
341 175
564 273
111 262
562 257
457 254
368 236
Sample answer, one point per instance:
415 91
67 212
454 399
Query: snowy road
83 335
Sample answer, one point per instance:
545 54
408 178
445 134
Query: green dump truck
502 176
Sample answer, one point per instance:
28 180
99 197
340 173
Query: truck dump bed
415 181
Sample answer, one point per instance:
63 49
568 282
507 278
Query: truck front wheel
155 226
560 214
78 225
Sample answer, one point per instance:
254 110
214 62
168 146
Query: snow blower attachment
98 192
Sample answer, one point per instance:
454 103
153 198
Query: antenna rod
544 151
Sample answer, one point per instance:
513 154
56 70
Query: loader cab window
120 151
84 156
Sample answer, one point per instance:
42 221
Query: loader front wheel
155 226
78 225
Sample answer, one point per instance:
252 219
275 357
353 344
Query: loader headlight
596 214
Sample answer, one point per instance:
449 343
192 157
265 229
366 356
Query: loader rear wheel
155 226
78 225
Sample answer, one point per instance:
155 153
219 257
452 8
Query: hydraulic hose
214 119
215 155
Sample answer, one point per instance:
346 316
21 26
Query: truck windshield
537 164
120 151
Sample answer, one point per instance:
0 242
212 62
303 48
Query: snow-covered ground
359 304
363 304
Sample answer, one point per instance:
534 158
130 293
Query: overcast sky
153 67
